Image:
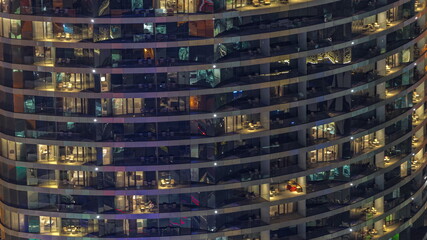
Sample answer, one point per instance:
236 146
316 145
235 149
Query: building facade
212 119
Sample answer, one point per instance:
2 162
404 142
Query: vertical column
379 157
379 160
380 112
420 44
379 206
100 56
265 235
33 199
418 179
404 169
265 100
381 69
381 94
382 43
302 69
265 141
99 156
380 136
302 41
381 91
418 201
265 69
302 209
265 211
302 92
302 46
265 46
382 19
379 182
419 71
380 88
57 176
265 116
302 134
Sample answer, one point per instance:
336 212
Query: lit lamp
415 94
375 142
415 117
414 139
386 159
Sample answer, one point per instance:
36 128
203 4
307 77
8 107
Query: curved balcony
279 119
234 158
390 229
258 226
148 15
173 40
172 116
357 84
213 188
137 68
45 136
246 204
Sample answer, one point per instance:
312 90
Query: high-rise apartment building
212 119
